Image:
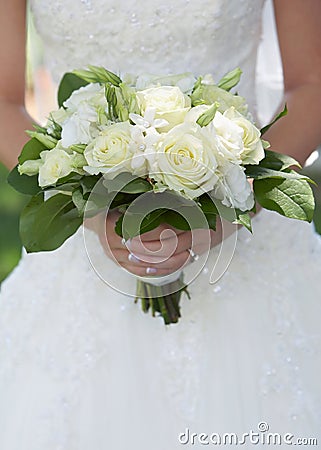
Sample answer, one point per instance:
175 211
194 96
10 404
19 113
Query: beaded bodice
132 36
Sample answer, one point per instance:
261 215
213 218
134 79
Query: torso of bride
134 36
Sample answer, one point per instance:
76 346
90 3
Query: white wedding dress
81 366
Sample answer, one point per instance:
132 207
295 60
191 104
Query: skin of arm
299 31
14 118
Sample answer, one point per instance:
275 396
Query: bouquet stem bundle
162 300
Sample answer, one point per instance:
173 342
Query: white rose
30 167
110 151
169 102
233 188
253 150
92 93
230 137
84 111
185 161
58 163
79 129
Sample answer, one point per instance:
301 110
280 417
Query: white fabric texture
81 367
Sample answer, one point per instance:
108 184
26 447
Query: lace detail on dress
163 37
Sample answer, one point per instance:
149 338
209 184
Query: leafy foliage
292 198
23 183
45 225
69 83
279 116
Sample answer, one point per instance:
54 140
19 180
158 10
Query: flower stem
164 300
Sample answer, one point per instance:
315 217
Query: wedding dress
81 366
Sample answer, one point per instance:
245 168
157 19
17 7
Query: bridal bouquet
191 138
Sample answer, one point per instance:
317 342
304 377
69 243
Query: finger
176 262
200 240
146 271
163 248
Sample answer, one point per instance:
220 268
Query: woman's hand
158 252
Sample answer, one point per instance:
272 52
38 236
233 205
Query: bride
81 367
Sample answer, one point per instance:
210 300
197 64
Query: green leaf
279 116
79 201
28 218
127 183
207 117
277 161
209 209
230 80
135 225
72 177
291 198
23 183
176 220
244 218
207 205
259 173
45 226
119 226
31 150
121 199
88 182
69 83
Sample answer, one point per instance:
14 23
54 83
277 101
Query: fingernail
151 270
133 258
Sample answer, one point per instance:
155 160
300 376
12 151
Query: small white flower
148 120
142 148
